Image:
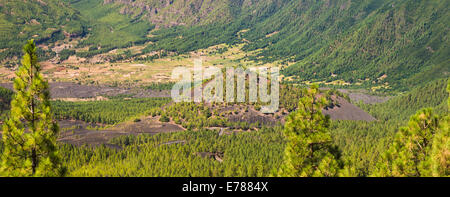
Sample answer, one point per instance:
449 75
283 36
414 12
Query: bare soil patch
73 90
361 95
247 113
347 111
78 132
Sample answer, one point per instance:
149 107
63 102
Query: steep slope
384 44
42 20
399 44
168 13
347 111
108 28
432 94
392 44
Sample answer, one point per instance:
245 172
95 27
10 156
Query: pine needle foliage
29 134
310 151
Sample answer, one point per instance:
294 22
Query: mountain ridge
370 43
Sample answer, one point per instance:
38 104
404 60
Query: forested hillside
108 28
390 44
5 99
45 21
432 94
173 13
387 45
364 88
397 43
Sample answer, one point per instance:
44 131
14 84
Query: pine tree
29 135
440 152
421 149
309 151
408 156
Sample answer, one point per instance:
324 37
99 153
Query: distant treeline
107 112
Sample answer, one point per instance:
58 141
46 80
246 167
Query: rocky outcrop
169 13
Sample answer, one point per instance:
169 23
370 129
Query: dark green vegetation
5 99
310 151
432 94
181 154
390 44
363 143
107 112
65 53
45 21
193 115
109 28
406 40
48 21
354 41
400 46
420 149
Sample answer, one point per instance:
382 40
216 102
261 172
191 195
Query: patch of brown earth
361 95
78 132
347 111
73 90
